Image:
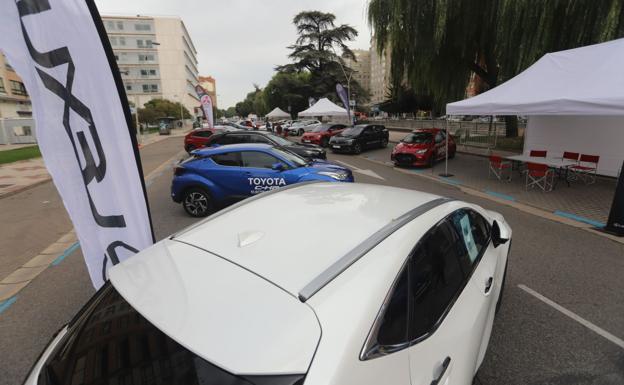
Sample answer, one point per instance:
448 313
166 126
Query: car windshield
352 131
279 140
322 128
110 342
418 137
292 158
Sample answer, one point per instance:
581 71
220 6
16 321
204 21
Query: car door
227 175
449 301
259 174
368 137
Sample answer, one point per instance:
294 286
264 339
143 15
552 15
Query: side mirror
498 237
277 166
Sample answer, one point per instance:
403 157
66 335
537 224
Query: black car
358 138
307 151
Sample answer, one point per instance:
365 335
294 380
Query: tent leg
446 173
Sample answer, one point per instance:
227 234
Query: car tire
324 142
190 148
357 149
384 143
197 202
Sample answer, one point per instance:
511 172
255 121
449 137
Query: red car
320 135
423 148
197 138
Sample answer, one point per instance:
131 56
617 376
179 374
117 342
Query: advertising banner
84 127
206 103
615 223
344 97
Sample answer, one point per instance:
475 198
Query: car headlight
335 175
420 152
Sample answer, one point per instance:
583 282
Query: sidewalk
19 176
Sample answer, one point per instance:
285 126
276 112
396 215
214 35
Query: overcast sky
239 42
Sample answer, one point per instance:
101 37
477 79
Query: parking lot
562 318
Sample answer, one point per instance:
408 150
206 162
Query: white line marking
346 164
575 317
370 173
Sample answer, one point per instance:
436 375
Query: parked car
214 177
308 151
347 283
321 134
359 138
199 138
423 148
302 126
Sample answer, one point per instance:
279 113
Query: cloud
239 42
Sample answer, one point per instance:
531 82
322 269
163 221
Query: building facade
14 99
156 58
210 85
361 67
379 74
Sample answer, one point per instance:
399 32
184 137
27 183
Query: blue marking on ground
66 253
7 304
500 195
450 180
579 218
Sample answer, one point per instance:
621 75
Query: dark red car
197 138
423 148
320 135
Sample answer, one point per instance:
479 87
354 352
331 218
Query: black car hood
301 149
342 139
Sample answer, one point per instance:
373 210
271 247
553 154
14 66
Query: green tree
316 52
288 91
436 44
158 108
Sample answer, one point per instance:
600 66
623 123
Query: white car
300 127
374 285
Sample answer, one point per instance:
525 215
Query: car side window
259 139
257 159
474 233
203 134
231 159
438 138
393 324
436 276
367 131
226 139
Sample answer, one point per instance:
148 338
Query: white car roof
292 237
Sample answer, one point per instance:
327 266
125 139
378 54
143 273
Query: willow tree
437 44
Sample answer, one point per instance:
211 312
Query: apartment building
379 74
14 99
361 67
156 58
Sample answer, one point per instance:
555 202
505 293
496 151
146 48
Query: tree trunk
511 126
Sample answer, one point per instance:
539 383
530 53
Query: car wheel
384 143
432 159
500 294
300 132
190 148
324 142
357 149
197 202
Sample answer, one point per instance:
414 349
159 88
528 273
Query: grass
10 156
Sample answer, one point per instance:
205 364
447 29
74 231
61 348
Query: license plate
334 146
306 141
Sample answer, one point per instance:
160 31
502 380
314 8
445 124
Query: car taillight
178 170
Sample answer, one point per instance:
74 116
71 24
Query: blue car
217 176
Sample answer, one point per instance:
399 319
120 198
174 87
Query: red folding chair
538 153
498 167
574 156
587 168
539 175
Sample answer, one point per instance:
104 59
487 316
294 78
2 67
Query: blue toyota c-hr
218 176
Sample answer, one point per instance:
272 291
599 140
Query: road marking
574 316
370 173
7 304
66 253
500 195
579 218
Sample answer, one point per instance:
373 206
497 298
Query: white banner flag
83 120
206 102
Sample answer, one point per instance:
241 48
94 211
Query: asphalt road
532 342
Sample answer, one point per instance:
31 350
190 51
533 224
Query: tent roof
581 81
278 113
324 107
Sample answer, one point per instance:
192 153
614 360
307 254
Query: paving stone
41 260
55 249
23 274
9 290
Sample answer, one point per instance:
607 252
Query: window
143 72
146 57
120 25
128 87
152 72
257 159
153 87
227 159
2 89
203 134
113 40
17 88
142 27
393 325
148 44
110 25
122 40
231 139
259 139
117 57
139 43
145 88
474 232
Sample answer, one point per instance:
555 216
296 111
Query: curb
524 207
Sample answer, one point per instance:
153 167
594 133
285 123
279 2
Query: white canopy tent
278 113
574 101
324 107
